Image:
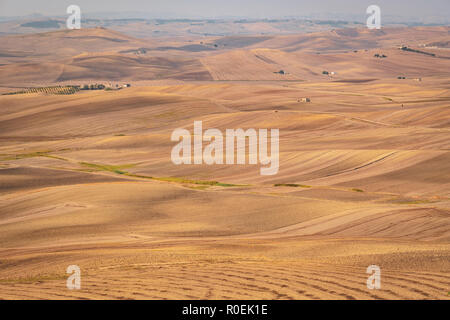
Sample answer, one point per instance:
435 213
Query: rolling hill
364 179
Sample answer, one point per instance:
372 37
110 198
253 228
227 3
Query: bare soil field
364 176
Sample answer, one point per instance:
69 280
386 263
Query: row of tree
48 90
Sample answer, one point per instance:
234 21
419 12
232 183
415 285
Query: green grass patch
198 187
137 175
292 185
106 167
118 169
357 190
168 114
54 157
85 170
26 155
414 201
34 279
199 182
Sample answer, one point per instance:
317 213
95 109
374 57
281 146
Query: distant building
127 85
304 100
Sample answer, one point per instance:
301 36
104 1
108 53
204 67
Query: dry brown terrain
87 179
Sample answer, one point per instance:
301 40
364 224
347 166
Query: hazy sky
416 9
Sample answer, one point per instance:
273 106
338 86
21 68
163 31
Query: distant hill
45 24
102 54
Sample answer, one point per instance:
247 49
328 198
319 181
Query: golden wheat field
86 176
